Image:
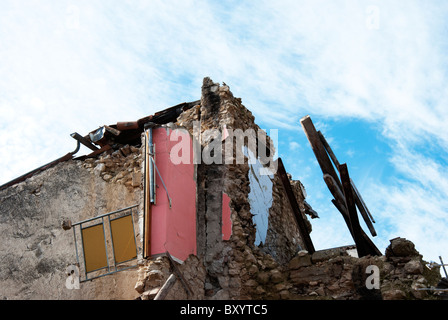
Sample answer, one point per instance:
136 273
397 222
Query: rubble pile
340 276
122 166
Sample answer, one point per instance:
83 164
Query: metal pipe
83 253
105 241
76 247
105 214
163 183
133 230
78 146
111 243
146 205
108 273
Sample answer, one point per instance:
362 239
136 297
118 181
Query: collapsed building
190 203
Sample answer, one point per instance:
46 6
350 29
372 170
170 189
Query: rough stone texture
240 260
344 277
35 215
400 247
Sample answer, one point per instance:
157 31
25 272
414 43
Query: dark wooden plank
310 211
373 249
363 209
99 151
357 196
22 178
295 207
163 292
335 190
319 149
323 152
339 201
351 209
179 275
84 141
328 149
341 207
362 201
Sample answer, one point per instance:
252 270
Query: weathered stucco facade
240 240
36 250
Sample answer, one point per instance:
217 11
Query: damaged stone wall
238 268
36 250
119 167
333 274
283 240
230 264
279 268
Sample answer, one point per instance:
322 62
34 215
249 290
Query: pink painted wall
174 229
226 218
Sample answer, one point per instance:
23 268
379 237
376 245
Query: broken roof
111 137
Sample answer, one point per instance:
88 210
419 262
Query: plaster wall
35 251
173 226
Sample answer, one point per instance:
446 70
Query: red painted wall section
174 229
226 218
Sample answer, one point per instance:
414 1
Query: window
108 243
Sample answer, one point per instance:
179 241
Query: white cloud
293 145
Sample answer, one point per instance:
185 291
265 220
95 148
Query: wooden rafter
346 196
295 207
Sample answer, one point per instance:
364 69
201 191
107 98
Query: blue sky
372 75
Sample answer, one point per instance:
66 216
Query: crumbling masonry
242 238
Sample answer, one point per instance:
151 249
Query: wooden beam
84 141
363 243
323 153
357 196
295 207
179 275
335 191
367 240
341 207
328 149
99 151
363 209
319 149
114 131
163 292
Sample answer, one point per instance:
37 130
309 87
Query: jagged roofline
129 134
